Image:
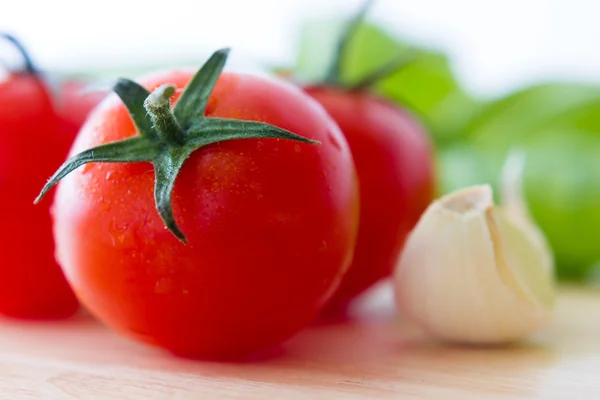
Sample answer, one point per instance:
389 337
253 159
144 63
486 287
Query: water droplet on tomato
122 236
324 246
333 140
108 175
297 148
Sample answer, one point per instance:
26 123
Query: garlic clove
521 264
473 272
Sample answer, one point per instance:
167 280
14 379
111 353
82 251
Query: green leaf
563 189
192 103
166 167
427 87
213 130
524 114
130 150
133 96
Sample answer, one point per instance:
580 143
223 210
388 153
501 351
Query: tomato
32 284
269 224
395 166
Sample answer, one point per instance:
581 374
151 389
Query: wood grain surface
371 356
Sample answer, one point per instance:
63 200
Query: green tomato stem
158 106
335 69
29 66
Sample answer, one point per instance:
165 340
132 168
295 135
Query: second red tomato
395 165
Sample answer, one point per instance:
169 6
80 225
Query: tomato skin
395 166
271 226
31 145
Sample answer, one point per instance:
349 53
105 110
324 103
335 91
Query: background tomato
31 144
270 226
395 165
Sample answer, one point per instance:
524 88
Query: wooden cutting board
374 355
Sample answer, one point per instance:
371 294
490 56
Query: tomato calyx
169 135
334 72
28 66
333 76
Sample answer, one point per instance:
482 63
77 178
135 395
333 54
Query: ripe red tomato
37 128
270 226
31 144
395 165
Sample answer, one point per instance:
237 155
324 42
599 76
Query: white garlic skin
470 274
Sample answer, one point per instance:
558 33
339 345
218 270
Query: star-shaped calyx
169 135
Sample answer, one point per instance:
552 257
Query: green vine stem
29 66
167 136
158 106
334 73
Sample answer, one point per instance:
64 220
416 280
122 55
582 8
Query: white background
495 45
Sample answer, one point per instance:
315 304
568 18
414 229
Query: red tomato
32 284
37 128
395 165
270 226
